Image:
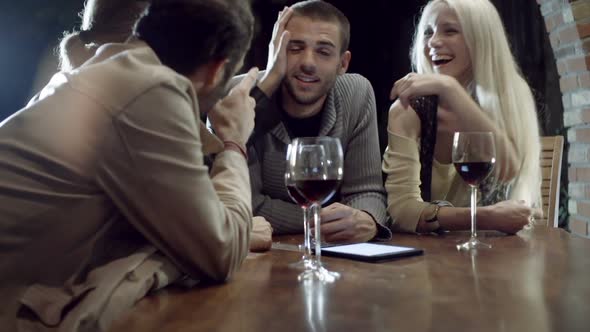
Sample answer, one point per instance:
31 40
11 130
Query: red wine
317 191
296 196
474 172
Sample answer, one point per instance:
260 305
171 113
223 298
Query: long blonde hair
497 83
102 21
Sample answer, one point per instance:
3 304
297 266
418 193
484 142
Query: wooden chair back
551 155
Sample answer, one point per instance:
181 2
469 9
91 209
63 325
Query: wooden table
538 281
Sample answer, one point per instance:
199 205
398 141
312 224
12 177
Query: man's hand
276 66
341 223
261 235
232 117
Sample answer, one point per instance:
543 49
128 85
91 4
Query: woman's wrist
461 101
484 220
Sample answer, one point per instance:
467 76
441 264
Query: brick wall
568 25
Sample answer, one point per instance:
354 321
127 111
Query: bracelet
435 214
232 144
434 219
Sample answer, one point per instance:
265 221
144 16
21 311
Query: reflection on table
535 281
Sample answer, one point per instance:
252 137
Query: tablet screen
367 249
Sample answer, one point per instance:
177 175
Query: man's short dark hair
186 34
321 10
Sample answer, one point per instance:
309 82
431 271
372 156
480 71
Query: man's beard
306 100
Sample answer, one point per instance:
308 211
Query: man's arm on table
158 180
362 185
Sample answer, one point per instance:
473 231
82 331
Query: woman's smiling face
445 46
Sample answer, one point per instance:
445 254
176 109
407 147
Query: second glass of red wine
315 165
474 156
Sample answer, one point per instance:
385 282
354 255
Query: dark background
381 33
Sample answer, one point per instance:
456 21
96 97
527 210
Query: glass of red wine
303 203
474 156
315 165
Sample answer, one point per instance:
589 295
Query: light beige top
103 170
401 164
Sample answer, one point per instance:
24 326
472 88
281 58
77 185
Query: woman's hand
416 85
506 216
450 118
457 112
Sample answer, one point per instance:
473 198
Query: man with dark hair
305 92
103 189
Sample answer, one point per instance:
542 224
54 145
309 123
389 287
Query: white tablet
370 252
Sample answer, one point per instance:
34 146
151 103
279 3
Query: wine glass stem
473 212
306 235
315 208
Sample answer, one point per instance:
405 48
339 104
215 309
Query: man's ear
213 73
344 62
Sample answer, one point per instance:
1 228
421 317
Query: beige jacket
99 177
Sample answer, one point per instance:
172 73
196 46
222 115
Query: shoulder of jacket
120 79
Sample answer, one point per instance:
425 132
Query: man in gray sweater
305 92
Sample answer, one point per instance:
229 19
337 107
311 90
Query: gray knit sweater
349 113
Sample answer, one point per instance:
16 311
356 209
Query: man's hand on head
344 224
276 65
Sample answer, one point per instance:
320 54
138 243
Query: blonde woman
461 55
